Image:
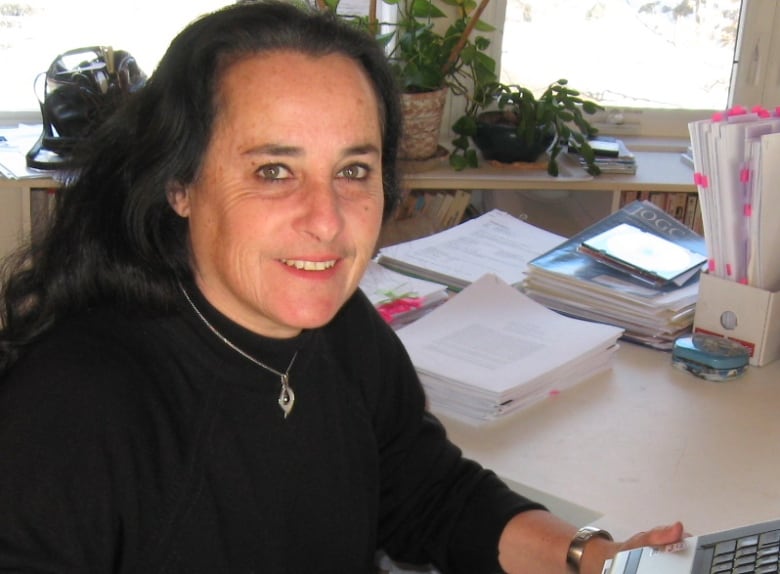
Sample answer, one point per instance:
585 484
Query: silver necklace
286 398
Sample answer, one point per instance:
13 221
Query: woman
191 381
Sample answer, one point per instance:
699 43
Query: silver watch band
577 545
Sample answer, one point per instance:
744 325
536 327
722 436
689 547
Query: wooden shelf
661 171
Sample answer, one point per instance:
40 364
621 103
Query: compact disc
646 251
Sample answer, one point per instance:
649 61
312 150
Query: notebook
748 549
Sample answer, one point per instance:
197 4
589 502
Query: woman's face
287 208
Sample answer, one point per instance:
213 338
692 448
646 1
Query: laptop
745 550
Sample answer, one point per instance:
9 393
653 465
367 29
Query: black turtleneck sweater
133 444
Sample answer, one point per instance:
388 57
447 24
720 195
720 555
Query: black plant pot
497 139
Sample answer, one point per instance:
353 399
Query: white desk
646 444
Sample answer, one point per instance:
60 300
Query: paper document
764 235
490 350
400 298
737 180
495 242
17 141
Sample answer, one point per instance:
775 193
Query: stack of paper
491 350
495 242
400 298
573 282
736 158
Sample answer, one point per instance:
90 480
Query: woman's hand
537 541
598 550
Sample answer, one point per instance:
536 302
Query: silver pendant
286 396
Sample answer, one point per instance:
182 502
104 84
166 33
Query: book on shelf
400 298
572 282
443 208
682 205
491 351
676 204
495 242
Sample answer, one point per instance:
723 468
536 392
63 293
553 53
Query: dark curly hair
114 239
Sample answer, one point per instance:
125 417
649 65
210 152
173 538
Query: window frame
758 34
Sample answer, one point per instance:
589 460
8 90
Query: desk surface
646 444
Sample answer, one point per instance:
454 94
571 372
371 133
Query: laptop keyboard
757 553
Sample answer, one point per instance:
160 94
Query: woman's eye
355 171
274 171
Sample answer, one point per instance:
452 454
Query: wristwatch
577 546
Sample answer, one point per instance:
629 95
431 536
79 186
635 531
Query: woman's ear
179 199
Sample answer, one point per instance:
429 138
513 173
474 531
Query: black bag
80 90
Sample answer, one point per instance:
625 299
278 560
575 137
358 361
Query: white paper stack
736 159
495 242
491 350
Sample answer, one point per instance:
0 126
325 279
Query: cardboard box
742 313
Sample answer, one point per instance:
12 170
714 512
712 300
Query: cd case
643 255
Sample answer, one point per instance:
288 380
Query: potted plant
504 118
430 59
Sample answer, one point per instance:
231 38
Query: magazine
574 283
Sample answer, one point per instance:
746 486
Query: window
652 63
33 32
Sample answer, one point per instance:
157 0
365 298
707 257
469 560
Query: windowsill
655 144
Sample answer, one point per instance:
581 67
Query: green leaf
591 107
458 162
465 125
593 169
426 9
577 137
483 26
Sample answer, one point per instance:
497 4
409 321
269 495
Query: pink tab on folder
760 111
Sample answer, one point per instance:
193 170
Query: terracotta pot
422 115
497 139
